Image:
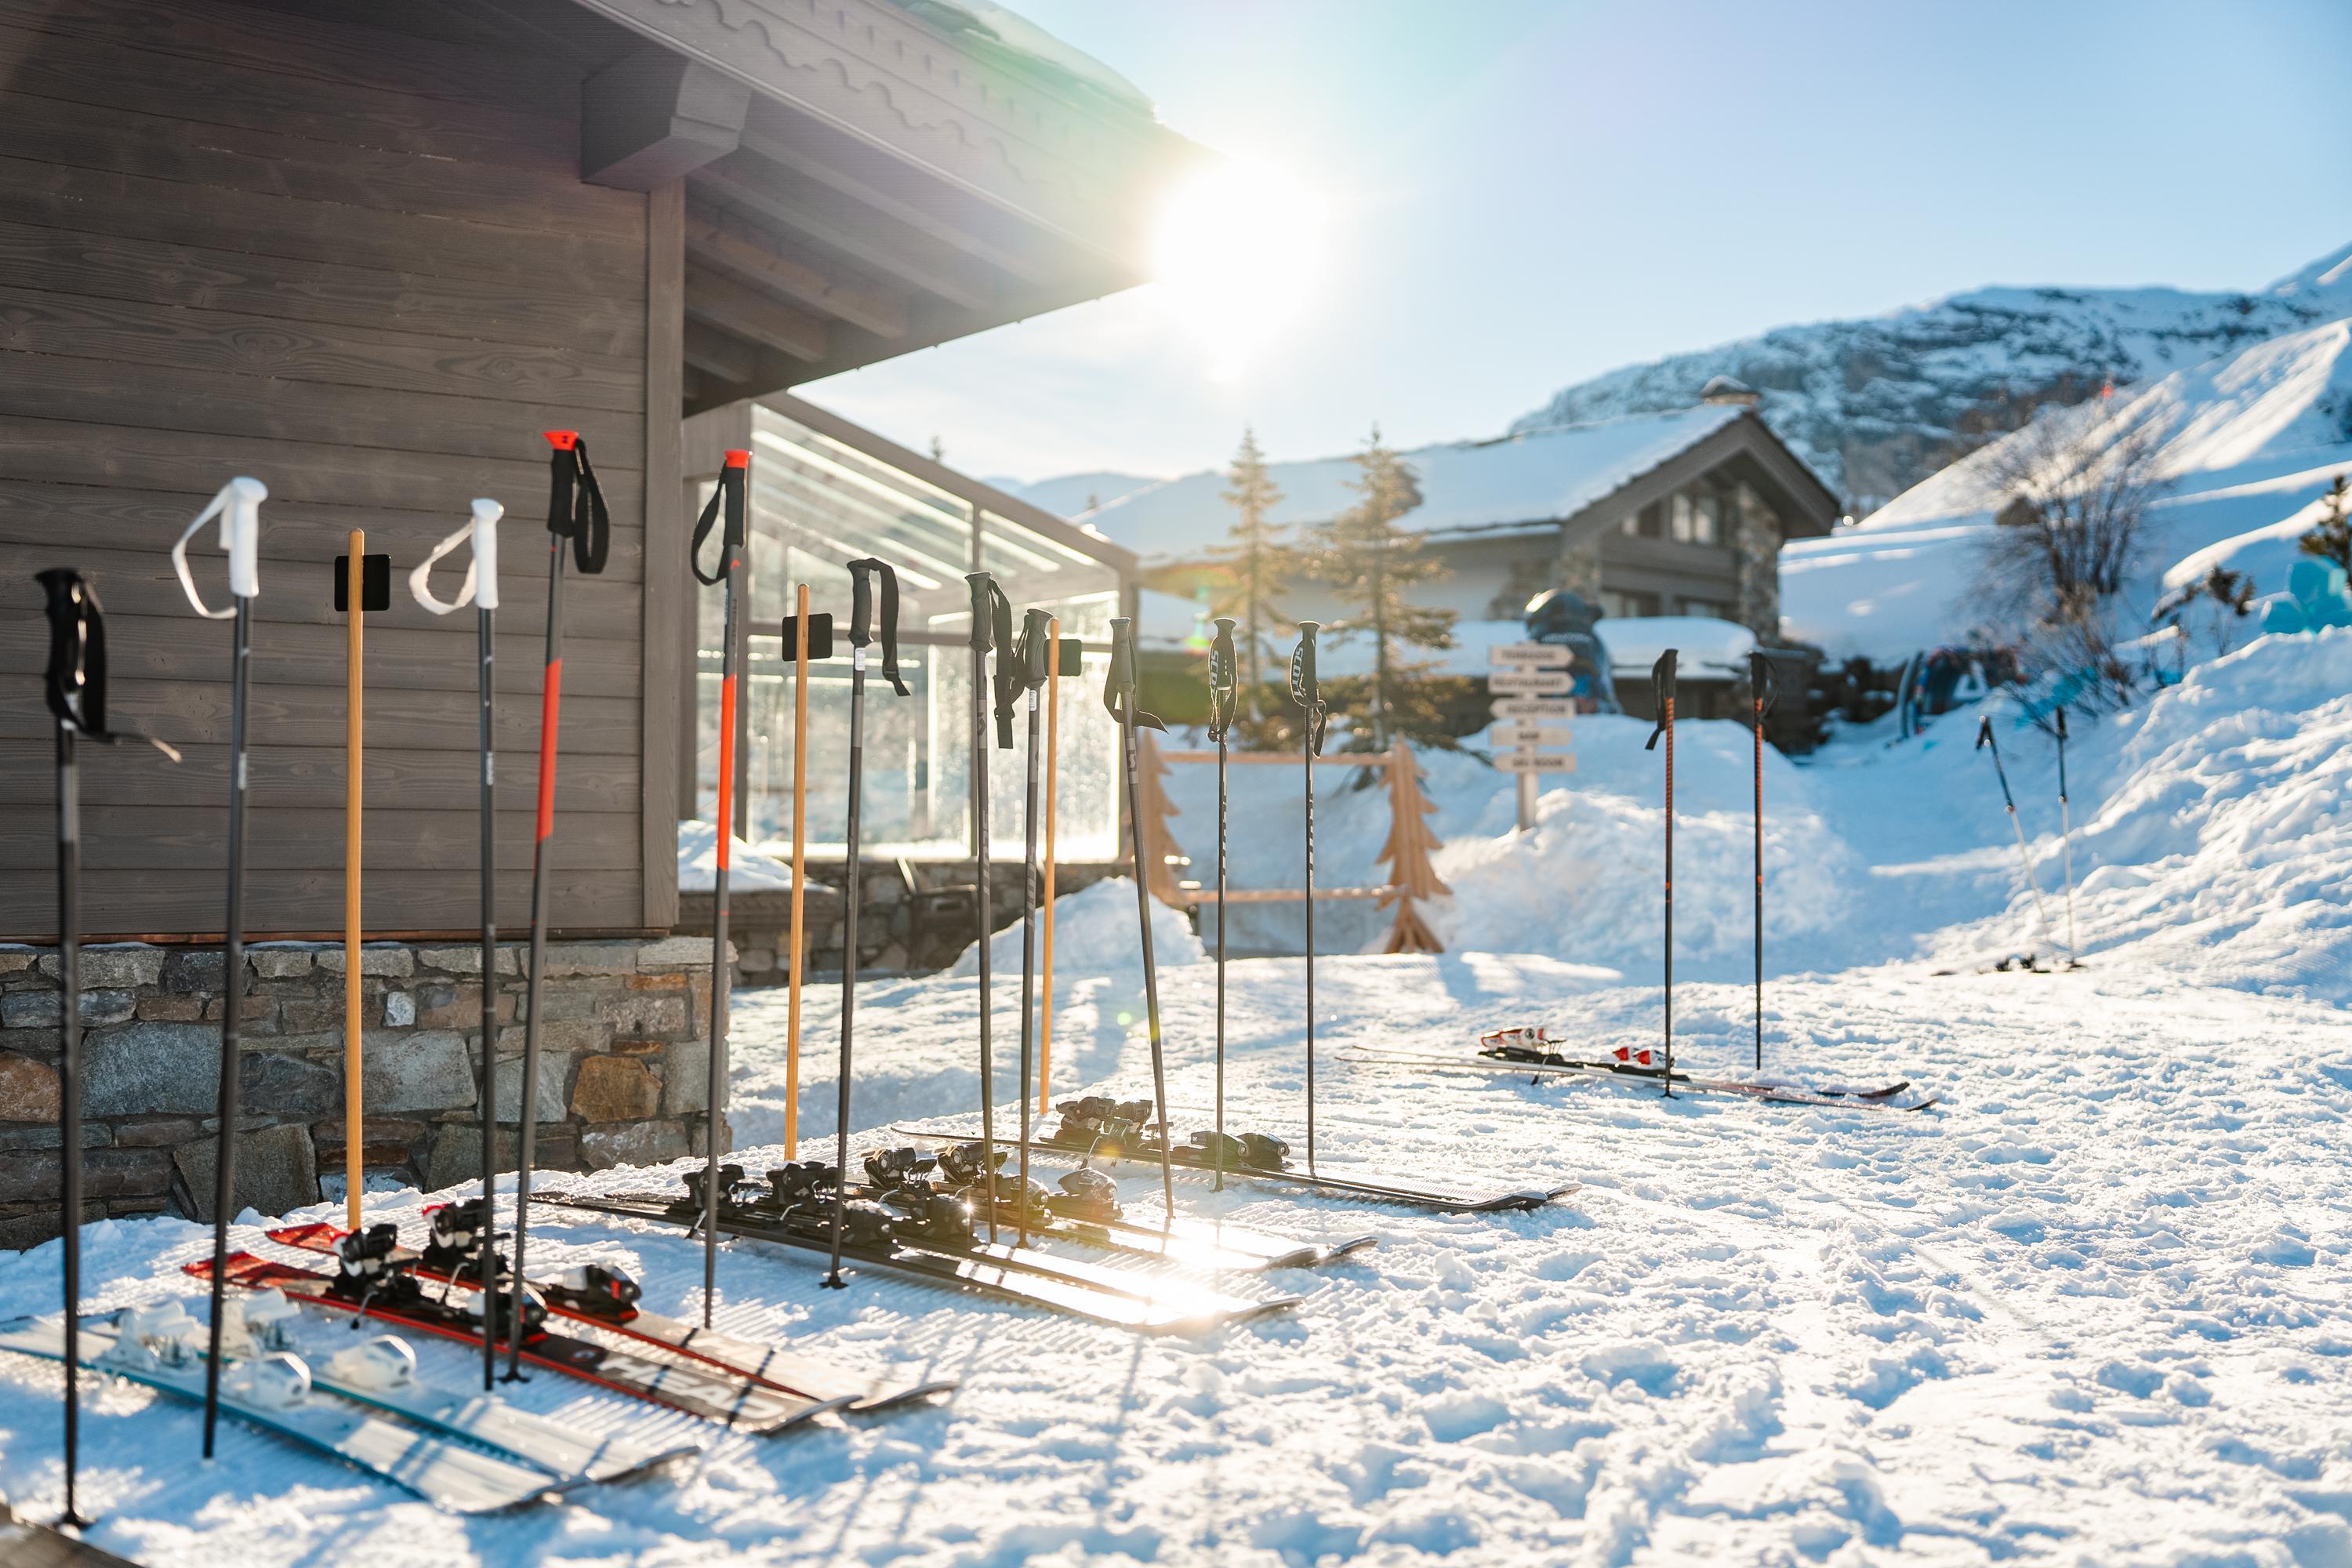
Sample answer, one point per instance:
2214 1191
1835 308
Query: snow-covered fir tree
1372 563
1259 562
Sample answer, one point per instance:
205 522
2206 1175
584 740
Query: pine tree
1259 563
1372 563
2330 538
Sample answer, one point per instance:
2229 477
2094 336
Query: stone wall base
624 1079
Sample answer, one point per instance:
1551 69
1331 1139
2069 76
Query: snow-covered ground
2091 1308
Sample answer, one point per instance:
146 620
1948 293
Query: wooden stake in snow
1407 851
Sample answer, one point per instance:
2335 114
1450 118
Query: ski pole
575 510
1307 691
1064 654
75 684
1662 684
2066 843
1984 741
1760 684
861 634
1224 693
733 545
1120 697
812 637
991 629
239 506
362 585
1034 659
480 588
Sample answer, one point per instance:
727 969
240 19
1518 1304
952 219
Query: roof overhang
860 184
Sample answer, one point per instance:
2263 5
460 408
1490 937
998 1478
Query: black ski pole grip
1760 679
576 501
1118 681
1305 687
76 678
1662 686
861 615
726 498
1224 677
1036 656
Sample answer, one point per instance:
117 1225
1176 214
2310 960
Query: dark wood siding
358 265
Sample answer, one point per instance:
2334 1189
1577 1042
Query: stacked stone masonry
624 1069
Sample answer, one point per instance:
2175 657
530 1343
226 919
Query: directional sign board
1529 682
1536 762
1529 655
1533 708
1528 732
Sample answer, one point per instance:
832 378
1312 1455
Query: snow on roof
1703 645
2242 440
1537 477
1015 38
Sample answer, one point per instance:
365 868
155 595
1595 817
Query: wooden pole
1052 757
799 869
354 579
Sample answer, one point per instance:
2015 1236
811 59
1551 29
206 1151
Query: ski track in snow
2092 1309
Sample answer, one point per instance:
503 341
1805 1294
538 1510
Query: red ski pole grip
736 459
562 440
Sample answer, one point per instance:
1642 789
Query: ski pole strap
992 628
77 673
1307 686
481 583
576 501
237 504
728 496
1120 685
861 615
1224 680
1662 686
1035 654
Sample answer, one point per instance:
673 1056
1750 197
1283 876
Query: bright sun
1237 249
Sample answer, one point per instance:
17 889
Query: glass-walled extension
824 493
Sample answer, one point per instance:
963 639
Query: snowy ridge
2242 442
1875 404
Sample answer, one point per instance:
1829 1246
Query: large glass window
817 504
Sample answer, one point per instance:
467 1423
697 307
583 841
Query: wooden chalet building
366 252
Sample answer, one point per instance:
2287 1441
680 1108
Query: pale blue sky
1521 195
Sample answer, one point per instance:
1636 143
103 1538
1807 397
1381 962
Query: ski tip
889 1399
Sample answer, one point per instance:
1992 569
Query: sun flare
1237 251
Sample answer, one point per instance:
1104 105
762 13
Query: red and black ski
771 1366
732 1401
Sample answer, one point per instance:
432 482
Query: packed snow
2091 1308
748 871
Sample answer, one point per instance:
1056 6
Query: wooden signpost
1531 683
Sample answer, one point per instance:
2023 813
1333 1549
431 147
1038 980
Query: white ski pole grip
481 583
237 504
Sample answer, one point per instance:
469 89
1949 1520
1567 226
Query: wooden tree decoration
1162 853
1407 853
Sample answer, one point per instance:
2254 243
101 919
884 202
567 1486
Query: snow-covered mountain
2242 442
1875 404
1067 495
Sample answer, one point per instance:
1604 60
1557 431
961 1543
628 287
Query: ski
606 1299
1882 1097
275 1392
1141 1302
1264 1161
697 1391
1085 1212
382 1372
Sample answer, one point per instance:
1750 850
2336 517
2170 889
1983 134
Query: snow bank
1705 645
1586 885
1095 933
749 871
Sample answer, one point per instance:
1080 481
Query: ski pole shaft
1986 742
485 633
800 871
1123 693
1045 894
232 1007
354 728
853 882
550 713
1028 954
731 497
1662 691
1756 678
1221 963
1307 691
984 588
69 1088
2066 840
